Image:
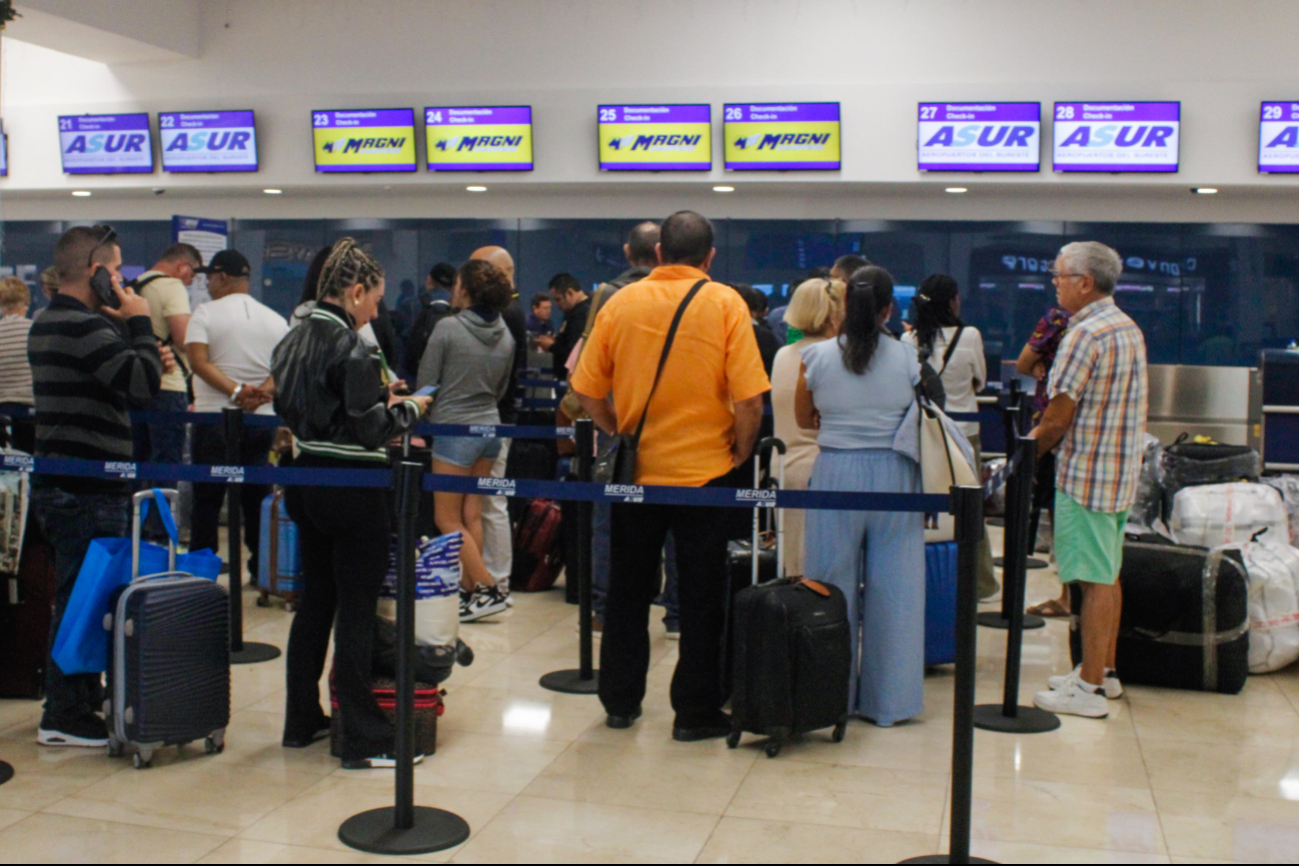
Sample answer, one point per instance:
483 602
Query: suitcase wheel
290 606
773 748
214 744
141 762
263 600
839 731
732 739
114 749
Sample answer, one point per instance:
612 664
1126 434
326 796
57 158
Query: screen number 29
1271 112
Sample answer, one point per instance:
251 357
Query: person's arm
131 367
371 421
177 326
1054 424
748 420
1070 375
430 363
804 406
1028 361
980 361
207 371
601 412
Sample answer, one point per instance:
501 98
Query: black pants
210 449
346 535
638 534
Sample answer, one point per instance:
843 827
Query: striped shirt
87 377
15 369
1101 366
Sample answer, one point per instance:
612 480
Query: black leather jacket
330 392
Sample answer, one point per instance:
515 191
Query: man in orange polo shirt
699 431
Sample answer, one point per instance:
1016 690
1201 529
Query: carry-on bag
1217 514
26 609
437 592
428 708
538 547
1185 621
940 603
169 655
1198 461
279 554
792 652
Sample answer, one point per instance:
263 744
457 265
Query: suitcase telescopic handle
777 446
143 577
137 505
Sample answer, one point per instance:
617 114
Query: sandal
1049 609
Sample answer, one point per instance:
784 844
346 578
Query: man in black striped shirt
91 364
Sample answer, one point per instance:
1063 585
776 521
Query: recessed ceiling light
273 191
956 190
723 189
1205 190
81 193
476 189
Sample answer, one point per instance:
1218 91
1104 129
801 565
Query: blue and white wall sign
106 144
1117 136
1278 138
206 141
980 136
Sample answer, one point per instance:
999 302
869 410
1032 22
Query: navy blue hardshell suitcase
940 603
169 659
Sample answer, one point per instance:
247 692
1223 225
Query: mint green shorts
1088 544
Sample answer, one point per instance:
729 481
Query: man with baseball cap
229 343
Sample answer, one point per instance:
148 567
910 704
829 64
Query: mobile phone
101 281
426 392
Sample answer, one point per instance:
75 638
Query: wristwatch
234 395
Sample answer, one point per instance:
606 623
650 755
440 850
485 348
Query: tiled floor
1169 777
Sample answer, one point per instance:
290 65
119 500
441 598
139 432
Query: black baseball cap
229 262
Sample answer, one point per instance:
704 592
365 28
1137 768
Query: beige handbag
942 465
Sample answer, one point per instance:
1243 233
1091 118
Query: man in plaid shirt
1097 416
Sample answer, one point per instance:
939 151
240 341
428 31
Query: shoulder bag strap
951 347
667 347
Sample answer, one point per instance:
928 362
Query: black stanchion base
254 653
994 619
6 772
943 858
570 682
374 831
1027 720
1030 563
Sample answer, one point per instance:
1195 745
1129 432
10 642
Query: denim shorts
465 451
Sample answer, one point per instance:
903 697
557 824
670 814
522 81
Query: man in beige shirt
164 286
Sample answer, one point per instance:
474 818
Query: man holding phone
87 375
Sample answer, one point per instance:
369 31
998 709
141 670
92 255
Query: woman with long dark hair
856 390
331 392
954 351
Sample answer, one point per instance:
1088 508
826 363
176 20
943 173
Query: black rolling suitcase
791 652
168 658
1185 622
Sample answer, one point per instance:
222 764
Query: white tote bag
946 460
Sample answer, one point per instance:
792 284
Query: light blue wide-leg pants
877 558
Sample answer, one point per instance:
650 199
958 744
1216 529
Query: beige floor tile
18 712
703 780
1227 827
43 775
253 739
1223 768
923 746
312 819
188 793
57 839
1077 816
498 712
861 797
11 816
476 762
740 840
1259 716
504 633
251 683
1081 751
532 830
1027 852
250 851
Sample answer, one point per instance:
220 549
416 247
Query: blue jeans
161 443
601 552
69 523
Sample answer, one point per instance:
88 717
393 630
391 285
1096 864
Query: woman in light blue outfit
856 390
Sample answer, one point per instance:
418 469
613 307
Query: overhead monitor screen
106 144
1117 136
656 138
364 140
497 138
1278 138
4 152
782 136
980 136
206 141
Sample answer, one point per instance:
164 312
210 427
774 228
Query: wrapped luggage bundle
1273 604
1147 508
1218 514
1288 487
1201 461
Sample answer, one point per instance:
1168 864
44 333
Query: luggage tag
815 586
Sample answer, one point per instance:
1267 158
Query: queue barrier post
404 829
967 506
1017 416
1009 717
584 680
241 652
6 772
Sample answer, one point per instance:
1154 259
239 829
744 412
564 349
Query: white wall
877 57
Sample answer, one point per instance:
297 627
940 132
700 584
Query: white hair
1092 258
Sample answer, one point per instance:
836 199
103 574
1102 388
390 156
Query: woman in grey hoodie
469 358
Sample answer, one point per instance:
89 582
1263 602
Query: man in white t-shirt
229 343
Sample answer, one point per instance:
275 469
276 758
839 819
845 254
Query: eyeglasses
109 234
1056 275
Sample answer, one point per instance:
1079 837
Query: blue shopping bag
81 646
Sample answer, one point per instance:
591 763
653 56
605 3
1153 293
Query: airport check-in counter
1279 377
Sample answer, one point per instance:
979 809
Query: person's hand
1039 370
132 305
167 355
283 441
251 397
423 402
544 342
398 388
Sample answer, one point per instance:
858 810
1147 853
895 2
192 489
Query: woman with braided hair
331 394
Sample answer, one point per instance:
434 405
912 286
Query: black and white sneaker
486 601
88 732
386 761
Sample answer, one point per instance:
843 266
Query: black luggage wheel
263 600
212 746
733 739
773 748
141 762
840 731
115 750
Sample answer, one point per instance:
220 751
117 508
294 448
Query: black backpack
428 319
931 381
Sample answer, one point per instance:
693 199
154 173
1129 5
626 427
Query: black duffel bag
1191 464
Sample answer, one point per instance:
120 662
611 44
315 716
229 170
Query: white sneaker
1074 700
1113 688
486 601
